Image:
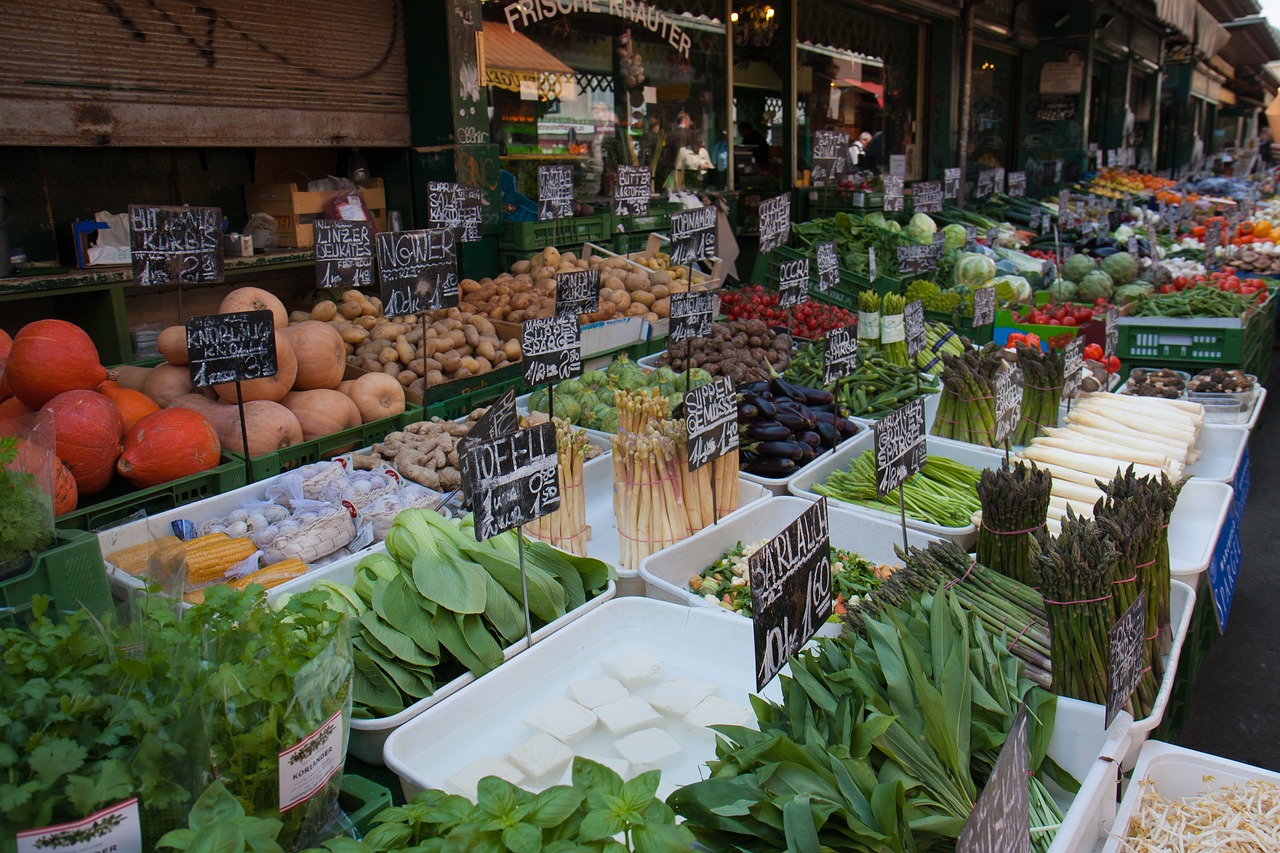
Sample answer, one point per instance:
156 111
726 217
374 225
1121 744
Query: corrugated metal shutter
220 72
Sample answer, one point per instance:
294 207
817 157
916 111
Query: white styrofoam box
966 454
1083 746
606 335
1182 601
1175 772
1194 526
666 574
603 440
1221 449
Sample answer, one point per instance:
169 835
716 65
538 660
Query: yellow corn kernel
272 575
151 559
208 562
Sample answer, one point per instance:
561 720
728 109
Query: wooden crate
294 209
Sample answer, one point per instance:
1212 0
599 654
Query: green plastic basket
1200 342
319 449
71 573
528 236
121 500
460 405
657 219
362 799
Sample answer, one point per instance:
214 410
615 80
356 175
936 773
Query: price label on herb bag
984 306
926 197
1001 818
418 270
459 206
1073 364
577 292
711 421
631 195
307 766
790 590
175 245
344 253
840 353
892 193
233 347
117 828
555 192
691 315
1125 643
913 319
1112 325
793 283
1008 392
830 153
551 349
775 222
693 235
512 479
951 182
828 258
900 446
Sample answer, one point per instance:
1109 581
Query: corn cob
209 557
151 559
272 575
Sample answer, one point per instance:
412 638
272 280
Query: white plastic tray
666 574
1176 772
1182 601
1221 447
1194 527
967 454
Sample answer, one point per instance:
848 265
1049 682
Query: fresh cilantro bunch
25 510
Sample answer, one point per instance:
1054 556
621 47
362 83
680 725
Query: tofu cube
541 757
634 670
679 696
714 711
594 692
567 722
464 782
647 748
627 716
618 765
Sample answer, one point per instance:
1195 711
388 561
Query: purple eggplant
785 449
772 467
828 434
766 431
812 439
783 388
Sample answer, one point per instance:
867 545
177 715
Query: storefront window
992 109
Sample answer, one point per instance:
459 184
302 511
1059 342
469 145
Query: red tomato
1093 351
1113 365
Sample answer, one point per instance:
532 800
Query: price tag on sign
926 197
693 236
631 195
344 253
790 590
1124 656
235 347
513 479
913 319
898 165
828 260
459 206
1008 392
970 238
793 283
871 264
993 237
840 353
984 306
577 292
775 222
555 192
1048 271
691 315
951 183
997 179
175 245
892 193
830 154
1112 331
418 270
1001 818
1073 364
551 349
711 421
900 446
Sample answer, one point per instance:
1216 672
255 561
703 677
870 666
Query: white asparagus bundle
1066 440
1099 467
647 495
1121 440
567 528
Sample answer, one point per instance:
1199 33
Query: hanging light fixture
756 24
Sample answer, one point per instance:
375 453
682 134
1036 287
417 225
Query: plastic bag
382 511
360 488
249 519
314 530
26 490
263 228
305 483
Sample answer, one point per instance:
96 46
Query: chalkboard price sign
775 222
691 315
693 235
577 292
993 237
986 183
790 590
711 421
1008 402
1212 240
914 258
1112 331
892 193
631 195
175 245
1073 364
344 253
418 270
840 355
514 479
459 206
970 238
231 347
555 192
984 306
793 283
997 179
1124 655
1017 184
951 182
1001 818
828 260
500 419
926 197
913 318
551 349
900 446
830 154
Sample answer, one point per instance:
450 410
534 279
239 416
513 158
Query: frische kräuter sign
418 270
711 421
899 446
460 206
551 349
175 245
926 197
555 192
235 347
344 253
514 479
775 222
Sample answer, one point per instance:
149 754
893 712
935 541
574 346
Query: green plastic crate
121 500
843 294
528 236
472 385
1201 342
319 449
626 244
657 219
459 405
71 573
362 799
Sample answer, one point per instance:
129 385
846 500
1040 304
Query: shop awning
511 57
1229 10
1210 35
1254 42
1195 22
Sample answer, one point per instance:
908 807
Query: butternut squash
320 353
270 426
131 376
255 299
172 344
377 395
271 388
322 412
165 383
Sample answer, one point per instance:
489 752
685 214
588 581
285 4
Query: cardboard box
294 209
661 328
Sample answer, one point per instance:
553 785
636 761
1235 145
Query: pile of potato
639 288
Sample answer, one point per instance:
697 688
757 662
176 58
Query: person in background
875 152
1266 149
858 151
755 139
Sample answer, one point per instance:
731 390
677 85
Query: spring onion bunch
893 333
943 493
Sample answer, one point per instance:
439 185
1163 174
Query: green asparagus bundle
1015 504
893 329
967 410
939 340
1041 392
869 320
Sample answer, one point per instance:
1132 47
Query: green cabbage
1131 292
1013 289
921 228
1063 290
1096 285
955 237
1122 267
1077 267
974 270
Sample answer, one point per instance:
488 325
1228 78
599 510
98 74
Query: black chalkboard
1125 646
775 222
900 446
829 157
993 237
913 319
514 479
459 206
631 195
951 182
175 245
1008 393
1017 184
693 236
986 183
498 420
711 421
551 350
793 283
691 315
1112 327
790 590
344 253
231 347
984 306
1001 818
892 193
915 258
840 353
970 238
555 192
418 270
1073 364
926 197
827 258
578 292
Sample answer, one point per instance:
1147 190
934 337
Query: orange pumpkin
87 429
133 405
65 494
168 444
1262 229
49 357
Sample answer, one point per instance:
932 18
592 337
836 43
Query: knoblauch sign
522 13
